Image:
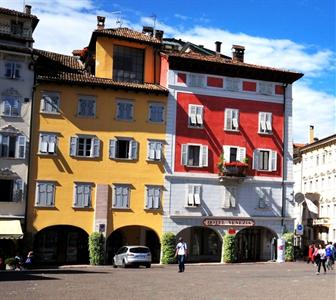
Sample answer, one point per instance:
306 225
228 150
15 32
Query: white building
16 87
315 179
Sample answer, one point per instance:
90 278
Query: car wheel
123 264
148 265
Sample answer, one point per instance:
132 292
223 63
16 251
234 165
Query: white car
132 255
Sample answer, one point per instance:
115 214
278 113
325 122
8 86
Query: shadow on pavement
39 274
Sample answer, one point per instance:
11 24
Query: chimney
159 34
148 30
100 22
27 9
238 53
311 134
218 47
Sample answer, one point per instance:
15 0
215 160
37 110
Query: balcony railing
233 170
23 33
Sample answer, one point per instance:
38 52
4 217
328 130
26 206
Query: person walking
330 256
310 257
322 259
181 253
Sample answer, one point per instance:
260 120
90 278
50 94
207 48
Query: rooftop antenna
153 16
119 21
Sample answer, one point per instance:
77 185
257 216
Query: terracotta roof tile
11 12
56 67
126 33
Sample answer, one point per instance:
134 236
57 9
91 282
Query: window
125 110
128 64
154 150
194 195
12 145
317 160
16 27
232 84
265 122
153 197
266 88
230 196
50 102
195 115
84 146
195 80
194 155
83 193
12 70
45 194
234 153
121 196
11 106
264 196
123 148
48 143
11 190
231 119
264 160
156 112
86 106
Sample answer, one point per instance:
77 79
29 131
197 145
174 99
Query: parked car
132 255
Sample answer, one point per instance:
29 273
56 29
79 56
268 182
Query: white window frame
50 103
195 116
240 156
20 145
48 143
154 150
94 148
264 197
17 189
230 197
86 100
194 195
272 163
153 197
9 109
231 122
132 148
12 70
265 123
196 80
266 88
120 116
125 196
82 189
50 188
232 84
151 113
203 155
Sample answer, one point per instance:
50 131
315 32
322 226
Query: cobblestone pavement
209 281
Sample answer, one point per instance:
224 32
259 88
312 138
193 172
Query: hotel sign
321 221
239 222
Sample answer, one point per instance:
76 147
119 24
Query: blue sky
291 34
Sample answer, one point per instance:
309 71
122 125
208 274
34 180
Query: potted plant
11 262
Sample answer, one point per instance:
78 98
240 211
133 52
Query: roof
219 65
319 144
11 12
55 67
124 33
14 48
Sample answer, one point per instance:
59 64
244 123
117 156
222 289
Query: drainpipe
283 206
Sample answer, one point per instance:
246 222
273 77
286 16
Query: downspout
283 209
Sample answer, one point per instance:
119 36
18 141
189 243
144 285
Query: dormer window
12 70
16 27
128 64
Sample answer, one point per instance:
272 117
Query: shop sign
321 221
240 222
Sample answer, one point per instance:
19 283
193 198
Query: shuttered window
50 102
234 153
48 143
125 110
156 112
153 197
195 115
230 196
12 145
121 196
194 155
45 194
265 122
194 195
83 194
264 160
154 150
231 119
86 106
123 148
83 146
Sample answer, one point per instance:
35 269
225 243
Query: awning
10 229
311 206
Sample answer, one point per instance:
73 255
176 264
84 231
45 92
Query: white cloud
67 25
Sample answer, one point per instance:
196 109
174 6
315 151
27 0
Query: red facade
215 137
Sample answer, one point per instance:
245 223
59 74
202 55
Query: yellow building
97 145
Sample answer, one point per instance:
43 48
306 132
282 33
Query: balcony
233 171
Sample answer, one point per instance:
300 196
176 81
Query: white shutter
52 144
255 163
118 196
204 158
157 193
199 115
87 195
262 122
151 150
134 149
21 147
73 145
226 152
43 143
125 192
268 121
112 150
190 195
227 198
150 196
192 114
184 154
228 119
241 154
18 190
49 194
273 162
95 147
158 151
235 117
197 195
233 191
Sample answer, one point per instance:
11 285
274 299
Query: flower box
236 169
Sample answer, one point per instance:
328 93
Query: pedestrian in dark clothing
181 253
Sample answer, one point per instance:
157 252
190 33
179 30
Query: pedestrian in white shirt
181 253
322 260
